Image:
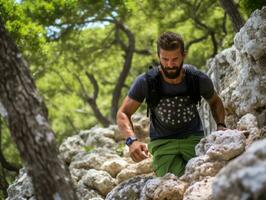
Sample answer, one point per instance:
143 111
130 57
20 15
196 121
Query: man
175 126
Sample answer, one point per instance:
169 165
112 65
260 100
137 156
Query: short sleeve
206 86
138 89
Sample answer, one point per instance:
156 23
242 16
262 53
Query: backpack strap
193 84
153 80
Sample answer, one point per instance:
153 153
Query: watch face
130 140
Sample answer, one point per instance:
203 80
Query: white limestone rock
77 174
143 167
201 190
70 147
129 189
222 145
167 187
141 127
240 75
244 177
114 166
22 188
85 192
200 167
118 135
99 180
249 124
93 159
101 137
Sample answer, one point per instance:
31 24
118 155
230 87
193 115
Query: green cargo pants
172 155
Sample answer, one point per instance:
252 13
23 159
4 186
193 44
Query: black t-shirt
175 115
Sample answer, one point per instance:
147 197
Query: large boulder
99 180
70 147
222 145
244 177
168 187
201 190
239 72
143 167
129 189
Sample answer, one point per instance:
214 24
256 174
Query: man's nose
170 63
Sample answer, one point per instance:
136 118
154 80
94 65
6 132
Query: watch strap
130 140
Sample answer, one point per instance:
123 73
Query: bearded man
172 90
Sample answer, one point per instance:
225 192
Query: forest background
84 54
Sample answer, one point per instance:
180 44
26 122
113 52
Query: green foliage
9 149
120 148
10 153
89 149
27 34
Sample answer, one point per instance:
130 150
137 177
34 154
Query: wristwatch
130 140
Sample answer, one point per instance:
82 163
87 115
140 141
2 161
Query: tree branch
235 16
195 41
215 43
94 84
129 51
144 52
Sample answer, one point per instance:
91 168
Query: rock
114 166
143 167
77 174
84 192
22 188
99 180
201 190
200 167
239 72
118 136
167 187
93 159
222 145
101 137
244 177
249 124
141 127
70 147
129 189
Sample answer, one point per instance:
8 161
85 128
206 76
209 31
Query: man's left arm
218 112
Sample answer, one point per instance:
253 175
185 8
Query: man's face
171 62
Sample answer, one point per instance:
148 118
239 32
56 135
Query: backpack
153 77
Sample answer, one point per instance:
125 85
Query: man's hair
170 41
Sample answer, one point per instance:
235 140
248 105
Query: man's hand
138 151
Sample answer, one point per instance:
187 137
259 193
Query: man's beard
172 72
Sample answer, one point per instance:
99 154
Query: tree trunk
27 120
231 9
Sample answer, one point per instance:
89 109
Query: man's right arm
138 150
123 118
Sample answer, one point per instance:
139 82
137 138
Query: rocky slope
229 164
